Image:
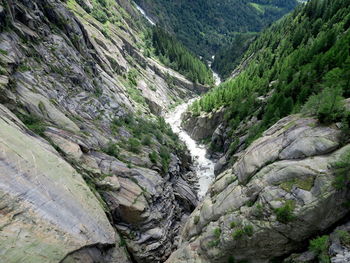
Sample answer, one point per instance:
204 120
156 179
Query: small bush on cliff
248 230
344 237
238 234
284 214
196 220
134 145
153 156
320 247
217 232
342 171
112 149
33 123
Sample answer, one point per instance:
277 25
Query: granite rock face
48 211
279 191
69 77
203 126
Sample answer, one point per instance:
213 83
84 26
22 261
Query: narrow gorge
177 132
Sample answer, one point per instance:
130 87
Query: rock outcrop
203 126
278 194
71 79
48 211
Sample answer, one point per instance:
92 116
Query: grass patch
305 183
320 247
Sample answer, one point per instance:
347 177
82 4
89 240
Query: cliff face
74 94
280 192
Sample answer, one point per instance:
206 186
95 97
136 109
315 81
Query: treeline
173 54
301 63
204 26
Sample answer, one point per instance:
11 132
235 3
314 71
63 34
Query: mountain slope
88 167
302 55
204 26
284 175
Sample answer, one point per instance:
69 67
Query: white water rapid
216 76
204 167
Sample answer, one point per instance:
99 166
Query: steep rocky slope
279 193
77 185
281 127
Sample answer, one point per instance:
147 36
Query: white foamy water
145 15
204 167
217 78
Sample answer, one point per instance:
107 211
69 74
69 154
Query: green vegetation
33 122
173 54
344 237
342 171
147 132
214 243
196 220
302 183
328 105
217 232
112 149
302 59
228 57
240 232
153 156
205 26
284 213
134 145
320 247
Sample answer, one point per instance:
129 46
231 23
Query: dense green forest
204 26
228 57
300 64
176 56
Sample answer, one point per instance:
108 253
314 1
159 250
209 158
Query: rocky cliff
281 191
87 174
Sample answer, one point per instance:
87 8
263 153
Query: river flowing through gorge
204 167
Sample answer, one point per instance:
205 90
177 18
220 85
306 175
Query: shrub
342 171
112 149
344 237
328 105
214 243
153 156
248 229
232 224
33 123
217 232
99 15
134 145
320 247
285 213
196 220
238 234
147 140
165 158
